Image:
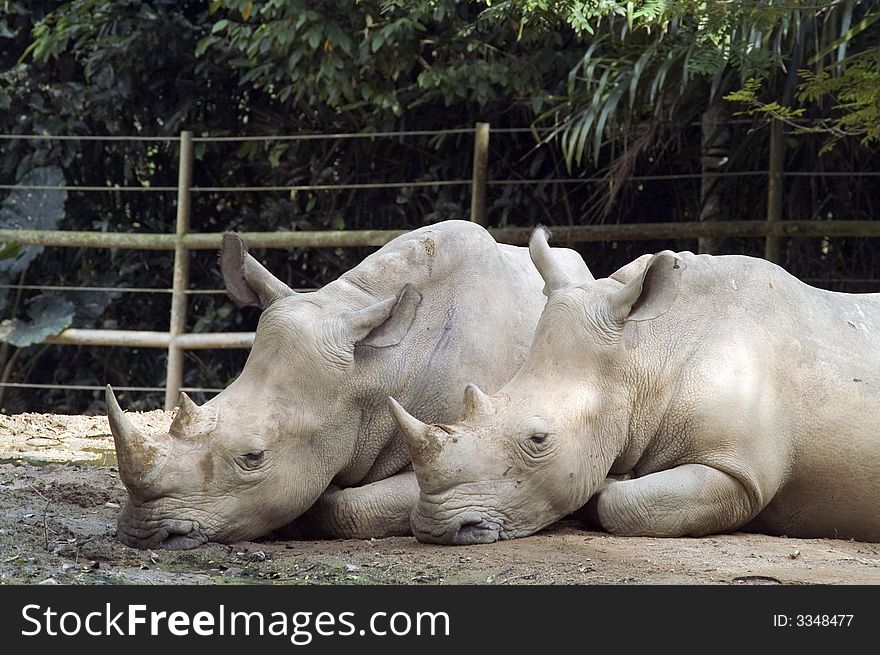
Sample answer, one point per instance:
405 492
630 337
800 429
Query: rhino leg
588 514
379 509
689 500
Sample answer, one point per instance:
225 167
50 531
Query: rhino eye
538 438
253 459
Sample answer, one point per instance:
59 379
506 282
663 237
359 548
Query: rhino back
734 294
780 380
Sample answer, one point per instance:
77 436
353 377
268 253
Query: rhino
685 395
303 433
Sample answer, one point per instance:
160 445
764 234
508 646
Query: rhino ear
384 323
650 293
551 263
629 271
247 281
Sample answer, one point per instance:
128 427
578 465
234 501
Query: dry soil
60 496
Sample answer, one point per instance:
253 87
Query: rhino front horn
139 457
421 441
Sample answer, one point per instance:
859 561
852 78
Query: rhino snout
166 534
192 539
463 529
475 533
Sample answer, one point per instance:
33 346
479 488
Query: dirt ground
60 496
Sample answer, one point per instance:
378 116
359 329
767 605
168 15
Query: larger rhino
703 395
305 421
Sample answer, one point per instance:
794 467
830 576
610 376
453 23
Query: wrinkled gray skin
703 395
306 419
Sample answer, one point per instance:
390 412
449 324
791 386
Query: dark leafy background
262 68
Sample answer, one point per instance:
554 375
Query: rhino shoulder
435 250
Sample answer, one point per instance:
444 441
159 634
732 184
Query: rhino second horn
139 457
192 421
186 404
476 403
420 440
187 415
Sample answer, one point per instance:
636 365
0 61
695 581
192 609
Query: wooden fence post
180 281
715 142
481 168
774 188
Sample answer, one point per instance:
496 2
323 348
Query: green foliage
49 316
854 95
94 68
370 59
31 210
668 60
9 249
852 98
847 89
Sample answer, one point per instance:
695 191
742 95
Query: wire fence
183 241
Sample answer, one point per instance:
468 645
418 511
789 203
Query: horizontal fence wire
76 137
40 287
293 188
347 135
252 138
423 183
331 136
189 292
91 387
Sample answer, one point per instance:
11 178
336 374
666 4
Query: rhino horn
546 262
191 420
139 457
421 440
187 414
476 403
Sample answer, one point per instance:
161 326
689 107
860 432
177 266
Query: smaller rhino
686 395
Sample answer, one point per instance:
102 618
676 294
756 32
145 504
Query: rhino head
541 446
259 454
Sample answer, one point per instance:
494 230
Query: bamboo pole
149 339
180 280
693 230
362 238
203 241
480 172
774 188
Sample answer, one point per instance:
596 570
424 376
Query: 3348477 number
812 620
823 620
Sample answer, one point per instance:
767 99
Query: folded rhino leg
688 500
378 509
588 514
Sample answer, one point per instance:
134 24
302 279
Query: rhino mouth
476 533
465 529
192 539
166 534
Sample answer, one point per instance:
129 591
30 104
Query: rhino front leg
689 500
588 513
379 509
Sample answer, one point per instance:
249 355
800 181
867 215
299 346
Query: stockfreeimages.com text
300 627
